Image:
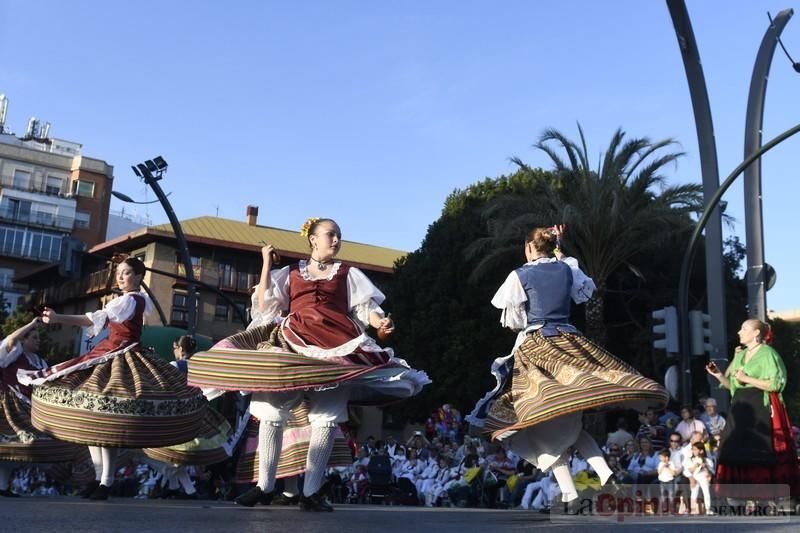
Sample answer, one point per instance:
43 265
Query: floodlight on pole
151 171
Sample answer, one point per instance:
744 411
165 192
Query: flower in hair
307 226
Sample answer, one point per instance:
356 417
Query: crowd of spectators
670 453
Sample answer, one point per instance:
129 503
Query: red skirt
732 480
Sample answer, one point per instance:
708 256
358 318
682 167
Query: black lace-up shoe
100 493
316 503
254 496
89 489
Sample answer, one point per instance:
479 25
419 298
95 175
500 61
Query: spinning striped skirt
260 360
213 444
296 437
134 400
564 374
20 441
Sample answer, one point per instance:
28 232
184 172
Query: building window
243 283
54 185
227 276
22 179
44 215
82 220
140 256
37 245
83 188
196 266
6 277
242 311
221 310
180 313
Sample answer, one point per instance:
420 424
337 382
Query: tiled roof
242 234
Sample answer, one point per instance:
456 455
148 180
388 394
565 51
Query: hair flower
307 226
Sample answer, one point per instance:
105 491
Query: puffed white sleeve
582 285
363 296
9 354
276 298
117 310
510 298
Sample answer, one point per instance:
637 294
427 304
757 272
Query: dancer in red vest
118 395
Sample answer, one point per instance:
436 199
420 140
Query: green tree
613 213
446 325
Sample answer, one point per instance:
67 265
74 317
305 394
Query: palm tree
612 213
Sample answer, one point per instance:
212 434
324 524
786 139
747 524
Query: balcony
96 283
35 218
8 183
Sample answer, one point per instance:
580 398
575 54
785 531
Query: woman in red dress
117 395
319 352
19 440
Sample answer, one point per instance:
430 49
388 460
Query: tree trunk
595 325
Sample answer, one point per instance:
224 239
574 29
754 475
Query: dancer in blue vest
554 373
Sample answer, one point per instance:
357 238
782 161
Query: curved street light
128 200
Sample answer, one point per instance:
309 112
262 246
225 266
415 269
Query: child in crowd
667 474
701 468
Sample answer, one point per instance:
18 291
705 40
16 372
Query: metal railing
36 218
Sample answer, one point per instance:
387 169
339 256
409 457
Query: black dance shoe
89 489
254 496
100 493
282 499
6 493
316 503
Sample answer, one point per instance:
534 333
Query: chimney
252 215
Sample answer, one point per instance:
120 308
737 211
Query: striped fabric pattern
564 374
132 401
296 437
20 441
259 360
209 447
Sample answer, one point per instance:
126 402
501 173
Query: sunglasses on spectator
675 440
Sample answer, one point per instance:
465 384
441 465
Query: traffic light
665 324
699 332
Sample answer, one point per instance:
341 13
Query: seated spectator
526 473
412 467
714 421
357 485
620 474
669 420
621 435
392 446
434 488
643 467
369 446
628 452
688 424
420 444
652 430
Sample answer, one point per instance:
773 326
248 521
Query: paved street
71 515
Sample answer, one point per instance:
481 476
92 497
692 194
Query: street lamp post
715 278
753 218
151 171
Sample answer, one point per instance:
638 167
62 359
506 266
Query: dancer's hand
741 377
386 325
49 316
712 369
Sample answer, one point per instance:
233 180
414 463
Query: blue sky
373 112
